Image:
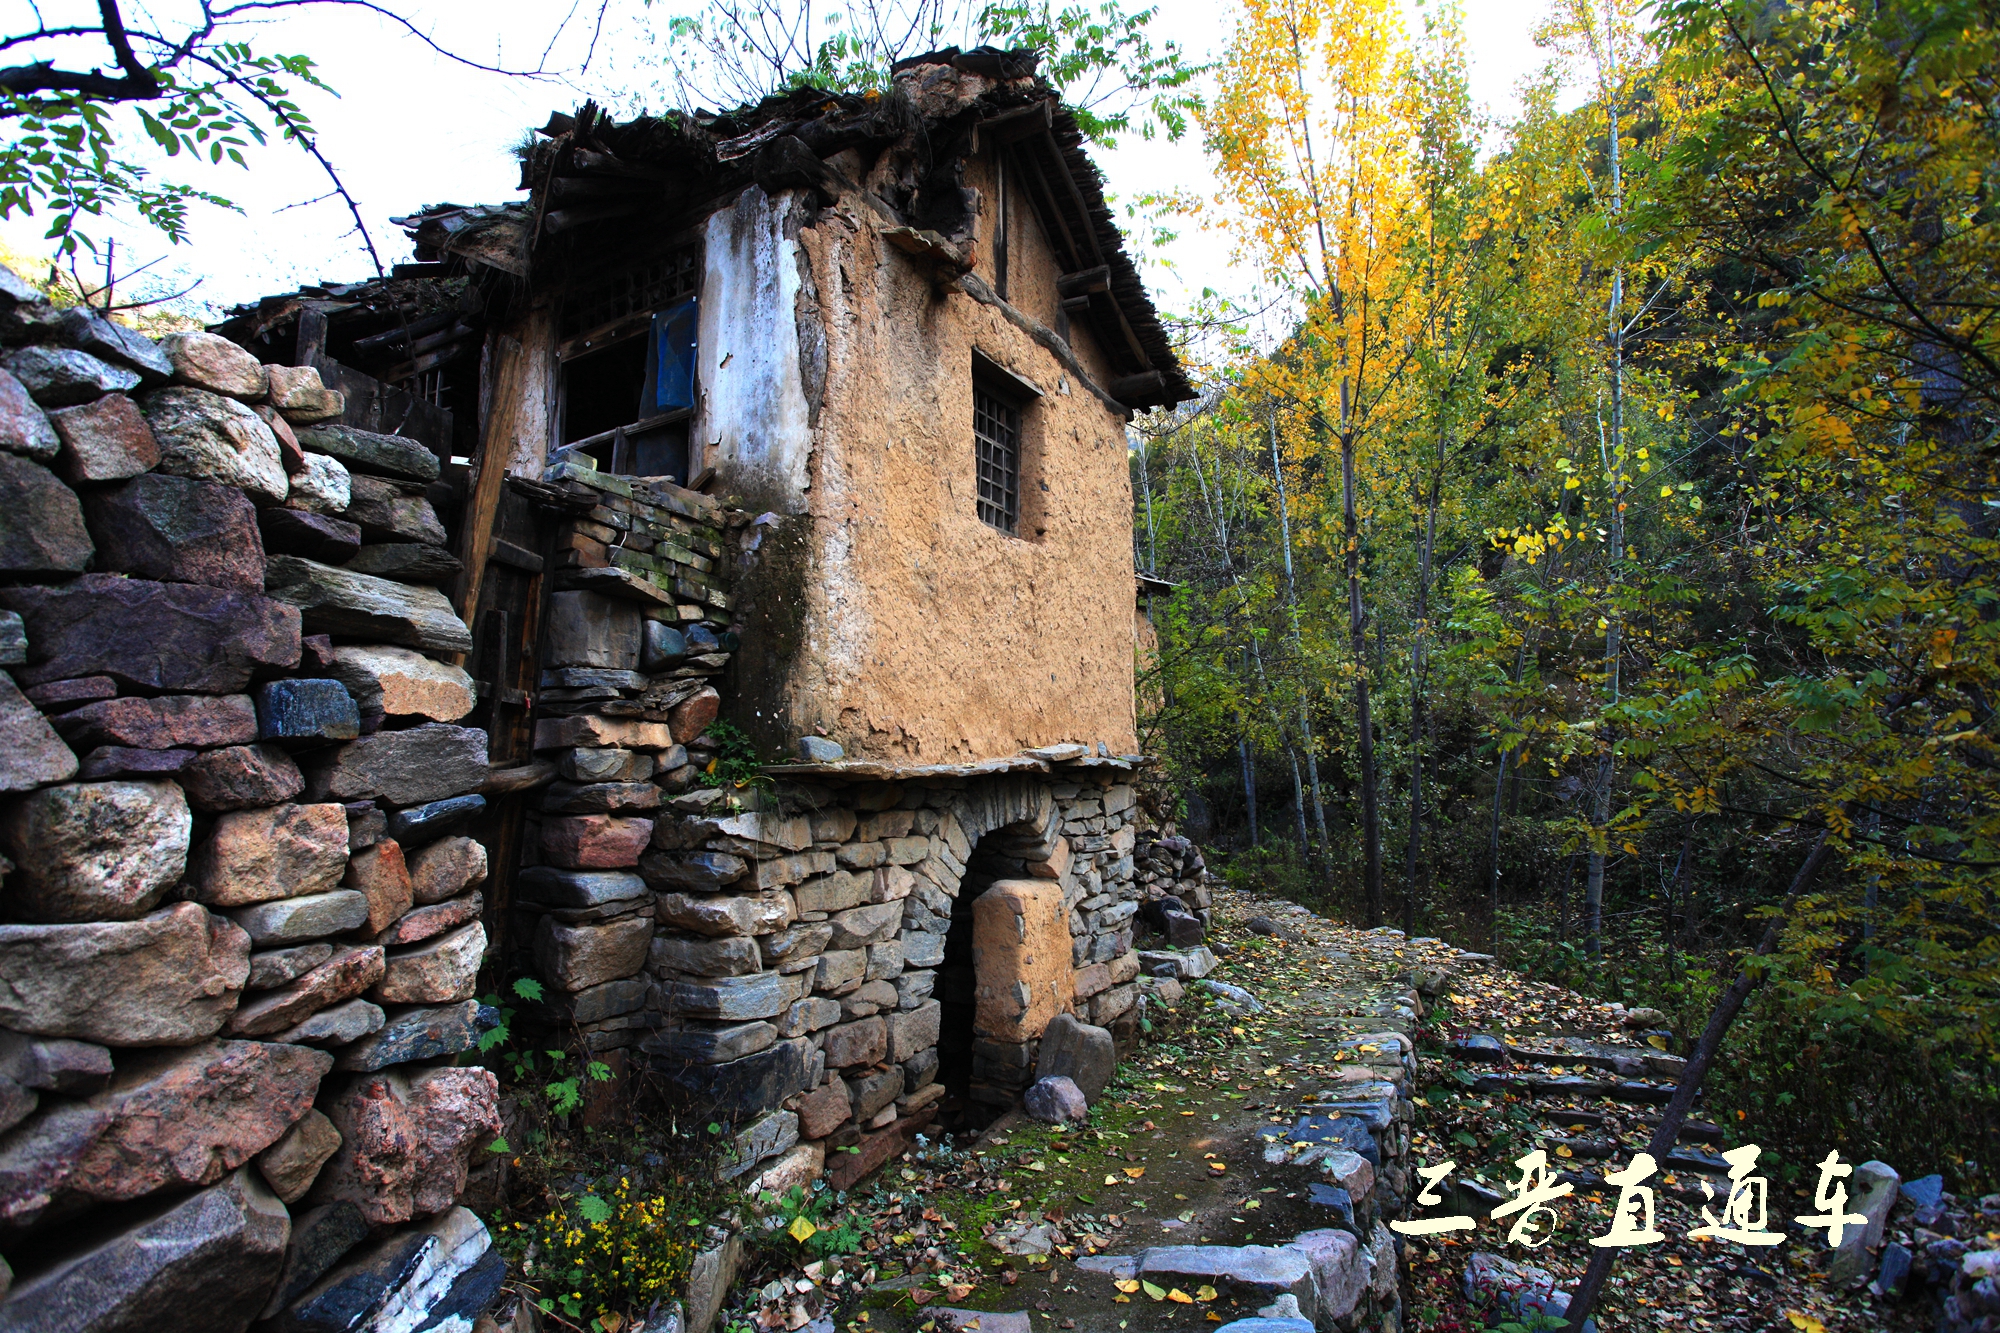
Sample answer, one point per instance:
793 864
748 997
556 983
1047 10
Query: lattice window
636 291
996 434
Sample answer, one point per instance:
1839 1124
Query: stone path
1244 1164
1246 1159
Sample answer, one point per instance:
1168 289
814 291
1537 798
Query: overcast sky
410 128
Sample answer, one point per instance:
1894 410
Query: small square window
996 434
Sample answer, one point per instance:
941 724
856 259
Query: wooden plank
1082 284
505 781
373 405
489 469
312 335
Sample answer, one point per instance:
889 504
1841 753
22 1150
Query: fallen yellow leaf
1205 1294
1111 1180
802 1229
1562 1150
1135 1171
1121 1300
1179 1297
1128 1286
1218 1167
1805 1323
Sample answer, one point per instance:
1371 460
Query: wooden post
496 447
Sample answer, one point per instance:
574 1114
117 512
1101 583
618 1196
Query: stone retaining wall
240 922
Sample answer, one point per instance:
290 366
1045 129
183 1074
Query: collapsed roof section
903 150
592 179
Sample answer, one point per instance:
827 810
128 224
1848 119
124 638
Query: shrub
609 1252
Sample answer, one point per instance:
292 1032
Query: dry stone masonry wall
784 956
240 921
636 632
831 956
243 911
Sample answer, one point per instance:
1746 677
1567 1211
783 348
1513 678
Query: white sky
410 129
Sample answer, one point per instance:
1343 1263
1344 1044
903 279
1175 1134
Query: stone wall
239 927
637 629
803 956
830 953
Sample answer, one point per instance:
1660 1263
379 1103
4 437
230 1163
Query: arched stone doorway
1008 969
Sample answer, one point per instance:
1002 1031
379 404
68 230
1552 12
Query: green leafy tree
197 89
1114 75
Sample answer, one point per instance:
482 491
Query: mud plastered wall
240 923
913 630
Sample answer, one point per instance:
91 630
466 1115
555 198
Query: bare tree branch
541 69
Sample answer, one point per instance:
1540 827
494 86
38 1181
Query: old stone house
420 645
834 387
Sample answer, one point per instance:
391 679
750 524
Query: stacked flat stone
239 920
646 541
1355 1134
1170 866
800 933
625 702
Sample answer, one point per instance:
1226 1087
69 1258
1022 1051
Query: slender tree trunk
1600 813
1562 901
1419 684
1357 630
1493 835
1299 801
1870 898
1699 1062
1152 541
1249 786
1410 854
1298 642
1493 854
1677 891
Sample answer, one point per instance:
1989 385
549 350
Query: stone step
1533 1086
1692 1131
1699 1131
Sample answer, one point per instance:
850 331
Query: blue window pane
672 351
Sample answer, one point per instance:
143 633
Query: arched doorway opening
994 999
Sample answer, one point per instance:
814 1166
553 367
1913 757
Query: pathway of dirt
1175 1153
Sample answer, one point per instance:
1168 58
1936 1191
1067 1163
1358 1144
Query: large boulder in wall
1021 959
202 1263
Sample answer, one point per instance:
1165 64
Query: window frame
1015 396
677 277
993 474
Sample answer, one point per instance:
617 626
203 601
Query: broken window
628 370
